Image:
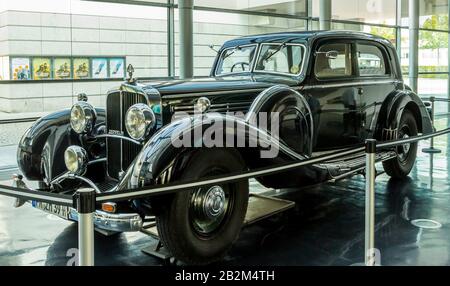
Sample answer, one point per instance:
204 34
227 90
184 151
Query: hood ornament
82 97
130 71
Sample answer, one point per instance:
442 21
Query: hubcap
403 150
213 205
208 208
406 147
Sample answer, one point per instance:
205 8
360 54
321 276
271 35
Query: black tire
182 225
401 166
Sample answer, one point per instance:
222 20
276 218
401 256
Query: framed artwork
42 68
117 68
20 69
62 68
99 68
81 67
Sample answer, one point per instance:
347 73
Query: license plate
60 211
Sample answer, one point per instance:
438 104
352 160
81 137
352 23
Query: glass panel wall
215 28
63 47
51 50
281 7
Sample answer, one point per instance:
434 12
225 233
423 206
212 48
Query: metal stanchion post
432 150
369 243
86 207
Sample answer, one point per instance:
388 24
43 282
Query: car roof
302 36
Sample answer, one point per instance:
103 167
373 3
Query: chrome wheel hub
208 208
406 147
214 203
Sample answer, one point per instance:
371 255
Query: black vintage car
329 90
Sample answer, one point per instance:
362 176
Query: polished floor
325 228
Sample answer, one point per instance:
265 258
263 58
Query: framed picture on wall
20 69
81 68
42 68
99 68
117 67
62 68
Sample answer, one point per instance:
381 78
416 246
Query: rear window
371 61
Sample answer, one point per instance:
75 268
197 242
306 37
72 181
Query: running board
346 167
259 207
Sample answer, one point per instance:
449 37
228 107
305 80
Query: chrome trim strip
121 130
358 83
119 137
101 160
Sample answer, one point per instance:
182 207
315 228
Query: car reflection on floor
325 228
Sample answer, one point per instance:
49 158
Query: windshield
281 58
236 60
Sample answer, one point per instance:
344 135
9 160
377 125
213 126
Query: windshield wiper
280 47
228 54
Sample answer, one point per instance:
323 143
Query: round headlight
82 117
76 160
202 105
139 120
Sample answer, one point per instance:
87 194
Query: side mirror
212 47
332 55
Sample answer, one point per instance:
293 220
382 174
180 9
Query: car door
376 80
333 95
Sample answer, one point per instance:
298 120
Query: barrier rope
124 195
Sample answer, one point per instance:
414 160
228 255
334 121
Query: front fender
162 160
40 153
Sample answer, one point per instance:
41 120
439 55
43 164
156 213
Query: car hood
214 84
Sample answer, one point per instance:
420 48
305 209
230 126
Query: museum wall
138 34
142 42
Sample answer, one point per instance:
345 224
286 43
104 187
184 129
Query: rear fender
410 101
393 108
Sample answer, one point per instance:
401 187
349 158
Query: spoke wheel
199 226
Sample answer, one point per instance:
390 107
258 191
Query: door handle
360 91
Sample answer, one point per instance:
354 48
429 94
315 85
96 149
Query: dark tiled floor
325 228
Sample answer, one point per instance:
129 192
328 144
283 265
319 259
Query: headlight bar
82 117
139 121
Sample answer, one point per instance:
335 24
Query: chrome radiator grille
120 153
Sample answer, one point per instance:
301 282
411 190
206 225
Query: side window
286 60
371 61
334 61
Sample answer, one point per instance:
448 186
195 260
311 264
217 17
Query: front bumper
125 222
109 222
